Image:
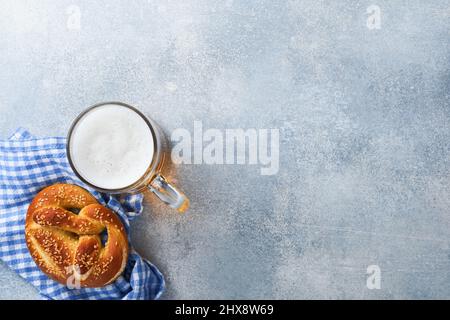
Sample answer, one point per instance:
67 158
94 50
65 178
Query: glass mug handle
168 194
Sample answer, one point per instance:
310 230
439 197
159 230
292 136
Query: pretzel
67 246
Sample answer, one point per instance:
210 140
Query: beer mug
114 148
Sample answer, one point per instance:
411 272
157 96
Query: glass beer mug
114 148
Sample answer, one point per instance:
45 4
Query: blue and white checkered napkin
27 165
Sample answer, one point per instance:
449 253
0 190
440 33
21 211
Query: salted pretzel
67 246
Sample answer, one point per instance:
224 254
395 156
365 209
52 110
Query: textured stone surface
364 119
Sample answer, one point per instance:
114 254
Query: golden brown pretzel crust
67 246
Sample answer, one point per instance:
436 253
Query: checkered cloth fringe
27 165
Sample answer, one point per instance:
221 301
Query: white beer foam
111 146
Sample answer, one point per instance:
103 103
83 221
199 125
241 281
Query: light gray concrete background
364 119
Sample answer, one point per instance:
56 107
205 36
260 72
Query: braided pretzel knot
64 244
